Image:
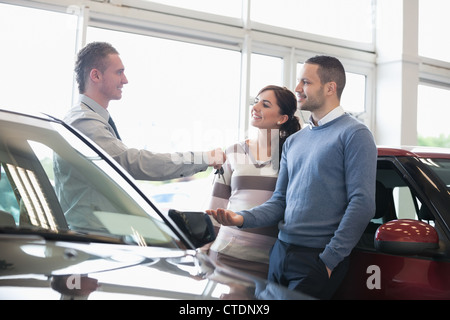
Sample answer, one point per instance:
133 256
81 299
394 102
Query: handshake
216 158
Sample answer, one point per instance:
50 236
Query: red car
405 250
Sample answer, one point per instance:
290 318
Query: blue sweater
325 192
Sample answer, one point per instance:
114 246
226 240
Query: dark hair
92 56
287 102
330 69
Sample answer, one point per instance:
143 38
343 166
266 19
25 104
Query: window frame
145 17
158 20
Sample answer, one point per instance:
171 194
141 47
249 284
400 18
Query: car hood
34 268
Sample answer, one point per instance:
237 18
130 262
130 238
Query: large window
433 23
183 60
354 95
193 89
180 96
230 8
345 19
37 57
433 114
265 70
433 104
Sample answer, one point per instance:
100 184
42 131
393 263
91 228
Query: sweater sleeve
360 161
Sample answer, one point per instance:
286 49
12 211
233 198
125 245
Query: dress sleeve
140 163
221 190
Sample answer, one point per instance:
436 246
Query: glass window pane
354 95
37 57
433 114
180 96
433 18
344 19
265 70
229 8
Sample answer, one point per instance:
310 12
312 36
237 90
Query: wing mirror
406 237
197 226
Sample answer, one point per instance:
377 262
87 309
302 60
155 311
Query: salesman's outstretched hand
216 158
226 217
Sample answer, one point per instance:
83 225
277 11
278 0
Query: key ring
220 173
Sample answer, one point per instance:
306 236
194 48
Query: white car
96 235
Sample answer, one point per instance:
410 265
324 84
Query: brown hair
287 102
330 69
92 56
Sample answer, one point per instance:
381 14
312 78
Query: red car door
374 275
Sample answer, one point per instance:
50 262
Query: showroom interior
196 66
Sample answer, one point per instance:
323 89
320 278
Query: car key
219 173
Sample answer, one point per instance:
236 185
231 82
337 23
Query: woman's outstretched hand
226 217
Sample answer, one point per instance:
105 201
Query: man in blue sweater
325 192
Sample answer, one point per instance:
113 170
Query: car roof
414 151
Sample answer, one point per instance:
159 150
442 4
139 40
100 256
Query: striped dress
246 183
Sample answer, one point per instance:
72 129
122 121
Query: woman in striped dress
249 178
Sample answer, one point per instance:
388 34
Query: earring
278 123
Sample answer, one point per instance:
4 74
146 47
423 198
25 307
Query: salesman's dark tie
113 125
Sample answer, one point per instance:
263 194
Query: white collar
94 106
330 116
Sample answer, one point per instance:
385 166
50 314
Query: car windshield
441 168
51 181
